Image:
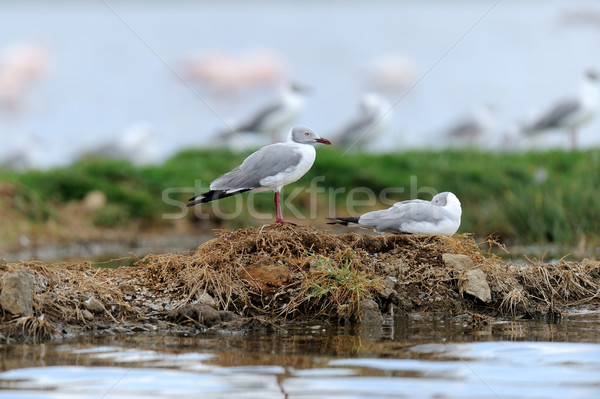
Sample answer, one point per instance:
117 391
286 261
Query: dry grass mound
285 271
294 273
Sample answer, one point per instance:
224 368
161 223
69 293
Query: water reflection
418 356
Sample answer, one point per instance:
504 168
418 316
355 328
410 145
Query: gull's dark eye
307 134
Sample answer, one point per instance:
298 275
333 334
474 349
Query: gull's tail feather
213 195
343 221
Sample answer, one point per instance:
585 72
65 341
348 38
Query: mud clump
256 277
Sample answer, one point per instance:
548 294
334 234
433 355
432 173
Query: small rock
24 241
269 277
94 200
202 314
17 296
458 262
93 305
208 316
87 314
206 299
157 307
227 315
475 283
472 280
369 312
389 293
386 291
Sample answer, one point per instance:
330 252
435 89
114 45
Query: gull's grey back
395 217
408 215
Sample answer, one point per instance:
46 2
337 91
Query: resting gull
440 216
269 168
570 113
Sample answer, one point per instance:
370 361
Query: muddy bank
135 244
256 277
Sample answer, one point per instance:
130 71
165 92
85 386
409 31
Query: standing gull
470 129
272 118
440 216
570 114
374 118
25 155
137 144
269 168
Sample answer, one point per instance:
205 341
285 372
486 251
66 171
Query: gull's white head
446 199
305 135
452 210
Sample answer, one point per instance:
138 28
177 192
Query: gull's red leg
573 139
278 211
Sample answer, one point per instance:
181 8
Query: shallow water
418 356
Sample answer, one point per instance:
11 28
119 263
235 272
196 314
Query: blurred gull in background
579 17
570 114
391 73
229 74
138 144
274 118
373 119
470 130
25 154
21 66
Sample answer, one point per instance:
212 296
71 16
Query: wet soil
255 278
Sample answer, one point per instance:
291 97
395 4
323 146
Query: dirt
256 277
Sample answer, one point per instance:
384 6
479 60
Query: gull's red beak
323 141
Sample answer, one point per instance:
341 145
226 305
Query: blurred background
161 76
439 85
